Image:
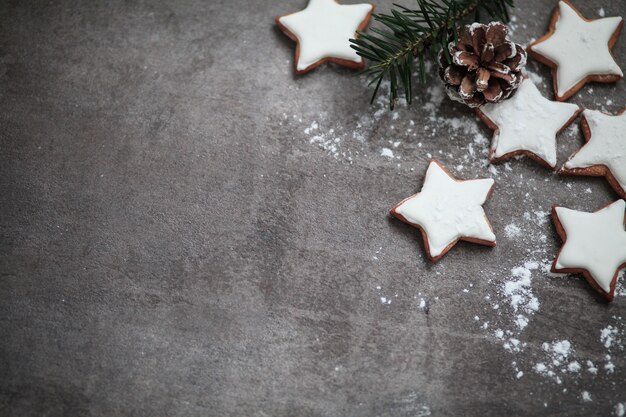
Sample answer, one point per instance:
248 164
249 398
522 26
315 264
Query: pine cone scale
517 62
468 87
466 59
482 79
488 53
496 34
477 34
493 93
505 51
498 68
453 76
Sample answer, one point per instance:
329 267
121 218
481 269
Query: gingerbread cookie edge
586 274
435 259
606 78
357 66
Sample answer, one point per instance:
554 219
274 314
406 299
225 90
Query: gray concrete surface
178 239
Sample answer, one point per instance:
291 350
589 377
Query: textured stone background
188 229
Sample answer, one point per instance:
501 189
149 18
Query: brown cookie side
601 78
343 62
434 259
594 170
496 132
586 274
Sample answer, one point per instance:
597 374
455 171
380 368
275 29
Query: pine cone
486 66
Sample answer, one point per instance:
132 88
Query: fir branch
409 35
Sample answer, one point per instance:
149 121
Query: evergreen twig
408 34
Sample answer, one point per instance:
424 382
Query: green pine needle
407 34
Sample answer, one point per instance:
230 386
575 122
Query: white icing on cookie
606 146
595 242
579 48
323 30
528 122
448 209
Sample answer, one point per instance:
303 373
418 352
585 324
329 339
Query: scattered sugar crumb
512 230
519 289
557 353
573 367
311 128
562 348
608 336
591 368
386 152
521 322
609 367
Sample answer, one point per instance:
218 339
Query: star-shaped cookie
447 210
594 244
578 50
527 124
604 153
323 31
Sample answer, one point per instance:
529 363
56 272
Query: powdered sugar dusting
512 316
386 152
512 230
519 290
620 287
558 354
556 359
609 336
